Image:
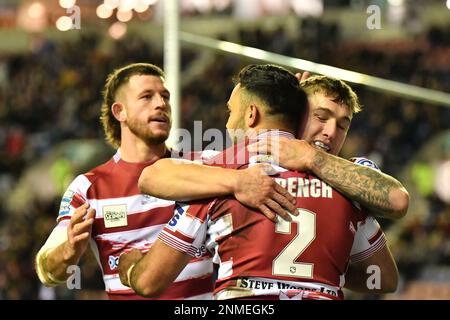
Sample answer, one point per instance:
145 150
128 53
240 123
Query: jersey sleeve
207 155
187 230
197 156
74 197
369 238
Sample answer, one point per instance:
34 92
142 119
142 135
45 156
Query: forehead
319 101
235 94
144 81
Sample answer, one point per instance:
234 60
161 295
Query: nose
160 102
329 129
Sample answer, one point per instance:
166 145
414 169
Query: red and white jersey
303 259
127 219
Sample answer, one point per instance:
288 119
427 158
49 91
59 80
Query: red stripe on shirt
376 236
179 235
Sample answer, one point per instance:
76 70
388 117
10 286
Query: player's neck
136 150
271 126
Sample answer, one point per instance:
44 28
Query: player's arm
372 267
153 273
376 274
64 247
381 194
184 180
180 240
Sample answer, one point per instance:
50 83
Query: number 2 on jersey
284 264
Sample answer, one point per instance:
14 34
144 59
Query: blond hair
337 89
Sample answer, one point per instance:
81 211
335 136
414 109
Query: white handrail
393 87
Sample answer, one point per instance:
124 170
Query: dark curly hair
276 87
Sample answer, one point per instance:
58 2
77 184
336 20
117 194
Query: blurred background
53 66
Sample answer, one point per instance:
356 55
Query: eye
343 126
321 117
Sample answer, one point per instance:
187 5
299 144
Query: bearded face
154 130
147 108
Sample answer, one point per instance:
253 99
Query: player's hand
255 188
78 233
126 260
302 76
291 154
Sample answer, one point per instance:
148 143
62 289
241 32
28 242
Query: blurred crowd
53 93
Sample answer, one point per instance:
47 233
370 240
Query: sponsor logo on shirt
115 215
64 208
269 284
176 217
365 162
200 252
113 262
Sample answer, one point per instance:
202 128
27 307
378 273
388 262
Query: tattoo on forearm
368 187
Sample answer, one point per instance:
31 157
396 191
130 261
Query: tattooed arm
382 195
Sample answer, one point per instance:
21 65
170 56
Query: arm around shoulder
399 198
182 180
383 195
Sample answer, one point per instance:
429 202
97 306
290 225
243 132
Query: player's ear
252 116
119 112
